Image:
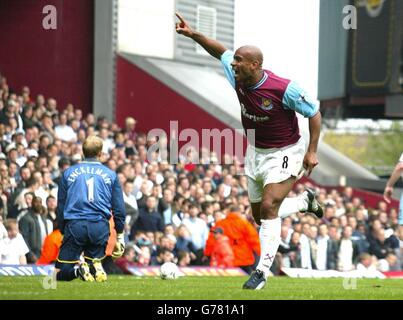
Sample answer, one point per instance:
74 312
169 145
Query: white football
169 271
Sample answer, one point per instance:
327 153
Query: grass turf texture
199 288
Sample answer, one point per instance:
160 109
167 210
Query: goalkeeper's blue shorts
83 236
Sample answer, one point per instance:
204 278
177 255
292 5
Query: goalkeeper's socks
269 235
67 273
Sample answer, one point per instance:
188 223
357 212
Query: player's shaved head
251 53
92 147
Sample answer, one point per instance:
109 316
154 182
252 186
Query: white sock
269 235
293 205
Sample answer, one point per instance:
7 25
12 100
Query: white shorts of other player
274 165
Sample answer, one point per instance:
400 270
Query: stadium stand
170 206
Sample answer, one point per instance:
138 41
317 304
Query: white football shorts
274 165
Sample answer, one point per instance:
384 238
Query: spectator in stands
380 246
127 260
165 242
207 207
13 248
294 251
3 231
184 241
165 206
366 263
284 246
359 234
130 128
20 203
198 231
306 253
132 210
51 106
184 259
181 206
347 194
313 242
348 251
63 131
163 255
51 205
149 219
326 258
32 226
28 119
144 257
3 203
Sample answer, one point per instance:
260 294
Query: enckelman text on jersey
89 170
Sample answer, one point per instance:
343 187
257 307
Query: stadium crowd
191 214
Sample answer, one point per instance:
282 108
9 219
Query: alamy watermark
49 21
50 282
191 146
350 20
350 283
373 9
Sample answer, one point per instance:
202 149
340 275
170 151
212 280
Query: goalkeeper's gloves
119 246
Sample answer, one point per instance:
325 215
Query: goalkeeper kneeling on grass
88 194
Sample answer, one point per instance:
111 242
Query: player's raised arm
213 47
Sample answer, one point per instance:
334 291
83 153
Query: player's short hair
92 146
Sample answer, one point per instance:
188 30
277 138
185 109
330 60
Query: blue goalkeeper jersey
90 191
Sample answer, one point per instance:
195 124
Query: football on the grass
169 271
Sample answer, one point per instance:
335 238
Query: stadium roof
201 85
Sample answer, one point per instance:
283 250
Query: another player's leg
270 231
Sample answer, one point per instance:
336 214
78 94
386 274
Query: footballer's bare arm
213 47
311 159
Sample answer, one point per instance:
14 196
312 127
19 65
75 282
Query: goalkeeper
88 192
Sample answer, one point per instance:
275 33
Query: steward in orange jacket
222 255
50 248
244 239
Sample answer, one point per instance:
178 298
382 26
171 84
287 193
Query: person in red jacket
243 238
222 255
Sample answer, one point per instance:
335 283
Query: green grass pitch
200 288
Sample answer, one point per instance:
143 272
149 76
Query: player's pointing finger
180 17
